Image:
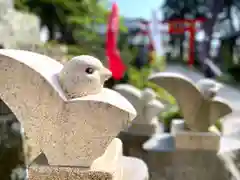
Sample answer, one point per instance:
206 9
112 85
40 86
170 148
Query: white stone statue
198 102
229 149
121 167
83 75
69 131
147 106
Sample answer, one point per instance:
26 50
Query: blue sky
137 8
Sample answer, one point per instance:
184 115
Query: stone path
228 92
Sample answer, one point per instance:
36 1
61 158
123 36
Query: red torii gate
178 26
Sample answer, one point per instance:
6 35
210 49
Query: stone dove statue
83 75
121 167
229 149
72 125
199 105
146 105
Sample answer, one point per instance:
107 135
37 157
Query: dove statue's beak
106 74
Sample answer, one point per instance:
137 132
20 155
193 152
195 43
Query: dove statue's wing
219 108
153 108
32 84
132 94
187 95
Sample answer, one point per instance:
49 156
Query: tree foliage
77 21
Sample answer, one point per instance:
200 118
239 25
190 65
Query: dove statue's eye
89 70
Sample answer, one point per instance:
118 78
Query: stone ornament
199 105
229 149
67 130
146 105
121 167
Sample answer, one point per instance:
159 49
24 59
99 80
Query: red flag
115 63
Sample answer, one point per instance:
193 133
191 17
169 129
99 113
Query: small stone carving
229 150
121 167
146 105
199 105
177 125
83 75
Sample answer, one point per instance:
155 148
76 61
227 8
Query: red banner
115 63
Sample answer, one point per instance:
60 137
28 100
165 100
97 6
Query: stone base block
196 140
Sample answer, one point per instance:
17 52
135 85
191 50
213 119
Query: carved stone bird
122 167
146 105
198 102
66 113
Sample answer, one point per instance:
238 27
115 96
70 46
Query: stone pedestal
65 173
196 157
159 163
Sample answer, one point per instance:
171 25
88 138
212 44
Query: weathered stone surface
69 133
65 173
